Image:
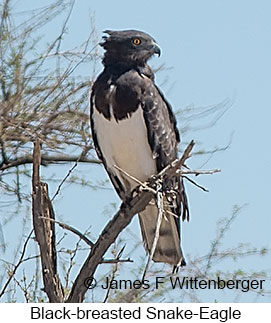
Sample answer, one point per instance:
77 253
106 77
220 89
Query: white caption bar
97 312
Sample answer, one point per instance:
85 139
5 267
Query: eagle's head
128 46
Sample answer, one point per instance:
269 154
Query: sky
213 51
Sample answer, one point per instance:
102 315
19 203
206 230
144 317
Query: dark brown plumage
133 127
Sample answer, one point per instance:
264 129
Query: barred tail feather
168 248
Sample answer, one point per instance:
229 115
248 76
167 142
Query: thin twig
114 272
144 186
17 265
199 172
85 239
171 168
113 261
128 175
219 237
72 255
69 228
64 180
196 184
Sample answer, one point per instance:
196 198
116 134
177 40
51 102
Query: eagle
134 128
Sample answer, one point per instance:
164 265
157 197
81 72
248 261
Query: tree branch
11 275
73 230
45 231
46 159
110 233
119 222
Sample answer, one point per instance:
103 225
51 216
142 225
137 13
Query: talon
136 191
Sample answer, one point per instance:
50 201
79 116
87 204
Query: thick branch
45 231
107 237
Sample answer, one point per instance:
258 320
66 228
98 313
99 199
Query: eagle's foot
152 184
136 191
128 198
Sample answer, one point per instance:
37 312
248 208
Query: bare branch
122 218
45 160
114 272
199 172
45 231
144 186
114 261
64 179
196 184
70 228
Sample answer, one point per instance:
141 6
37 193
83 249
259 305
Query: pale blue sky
215 50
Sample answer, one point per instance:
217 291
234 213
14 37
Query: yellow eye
136 41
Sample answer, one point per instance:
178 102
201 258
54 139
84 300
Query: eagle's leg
137 190
127 198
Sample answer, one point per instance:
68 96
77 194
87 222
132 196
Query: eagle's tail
168 248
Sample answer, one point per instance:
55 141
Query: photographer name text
243 285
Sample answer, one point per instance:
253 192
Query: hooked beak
156 49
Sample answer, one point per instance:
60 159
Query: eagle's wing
163 138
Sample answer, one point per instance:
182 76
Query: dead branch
45 231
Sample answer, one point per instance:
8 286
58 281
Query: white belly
125 144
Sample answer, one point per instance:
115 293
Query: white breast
125 144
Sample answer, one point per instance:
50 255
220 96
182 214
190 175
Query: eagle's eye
136 41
